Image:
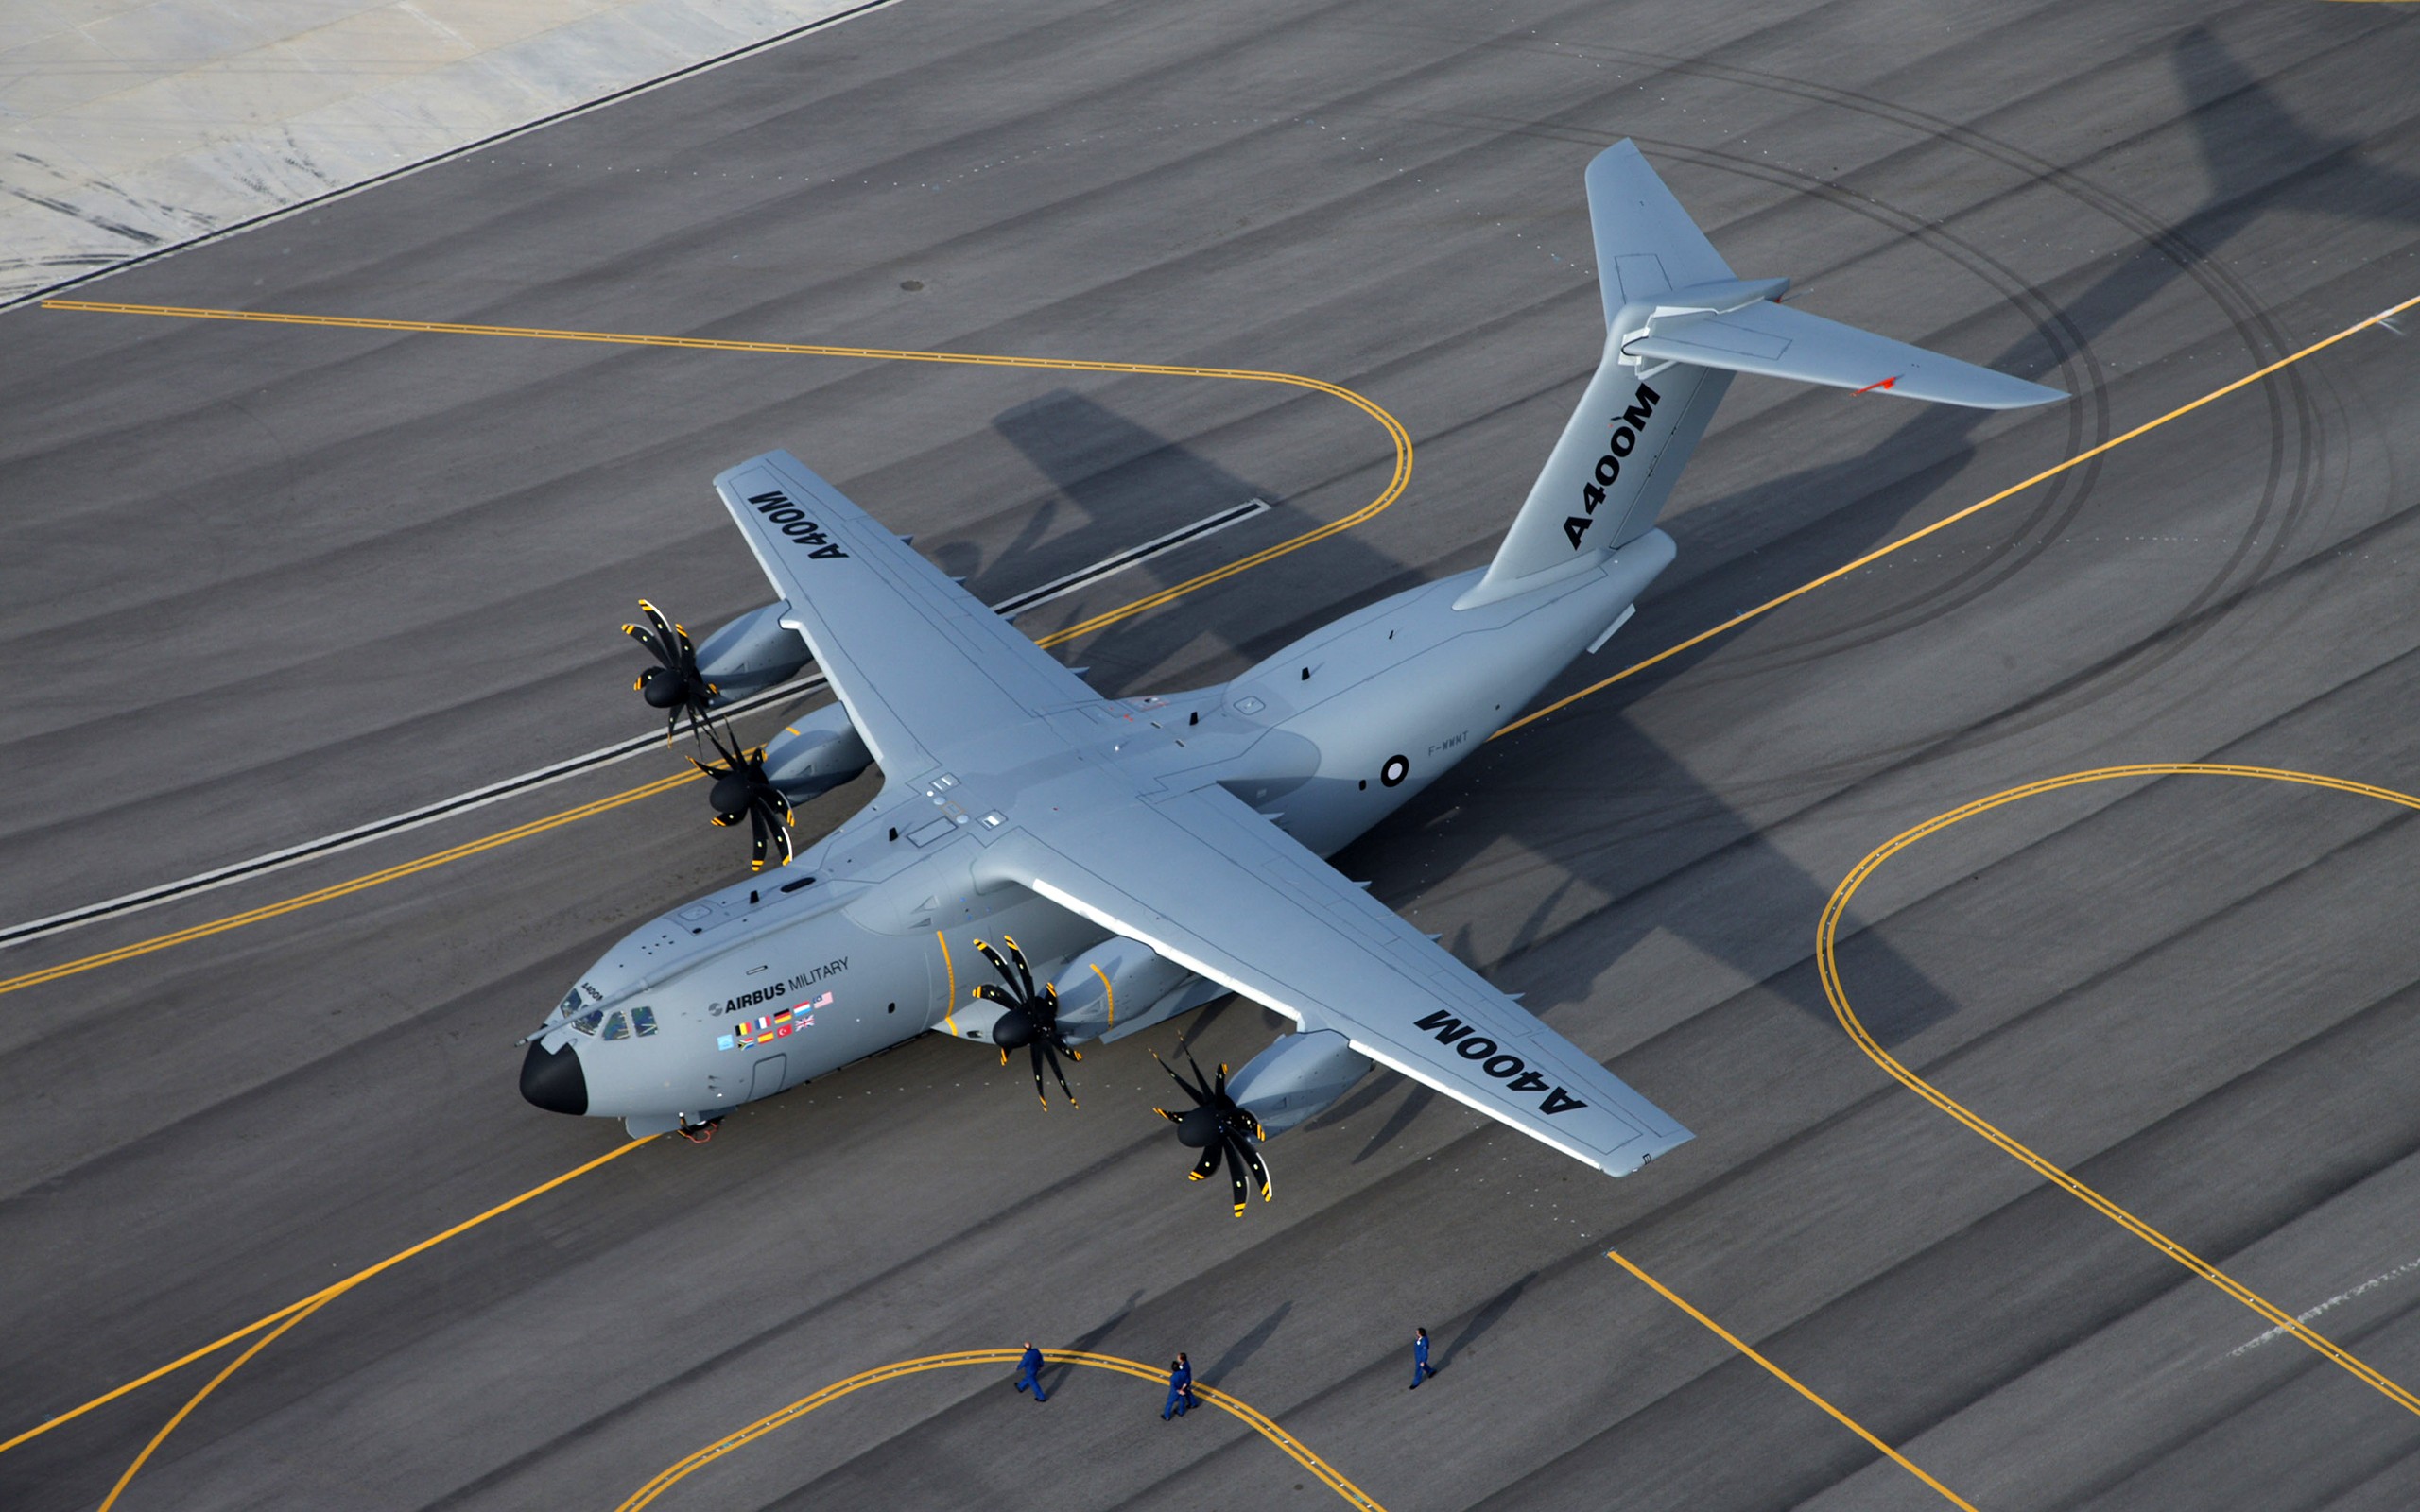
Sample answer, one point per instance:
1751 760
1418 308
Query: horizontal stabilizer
1780 342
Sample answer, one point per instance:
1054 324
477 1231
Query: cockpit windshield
587 1022
569 1006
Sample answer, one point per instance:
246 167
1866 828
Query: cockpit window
643 1019
615 1028
569 1006
587 1022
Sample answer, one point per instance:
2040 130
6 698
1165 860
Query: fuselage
866 939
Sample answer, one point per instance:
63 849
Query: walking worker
1180 1389
1185 1369
1029 1371
1421 1368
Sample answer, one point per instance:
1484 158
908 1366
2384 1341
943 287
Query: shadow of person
1091 1339
1245 1348
1491 1313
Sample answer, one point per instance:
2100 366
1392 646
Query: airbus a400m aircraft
1044 866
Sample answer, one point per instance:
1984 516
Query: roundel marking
1396 769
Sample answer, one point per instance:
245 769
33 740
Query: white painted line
2336 1302
620 750
1010 609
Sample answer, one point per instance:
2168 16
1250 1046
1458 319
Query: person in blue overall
1421 1368
1180 1388
1029 1371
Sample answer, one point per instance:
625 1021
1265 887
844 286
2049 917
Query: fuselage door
769 1072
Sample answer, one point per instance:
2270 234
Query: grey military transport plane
1044 866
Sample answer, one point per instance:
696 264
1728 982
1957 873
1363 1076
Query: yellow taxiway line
1252 1417
1395 432
289 1313
1787 1379
1828 963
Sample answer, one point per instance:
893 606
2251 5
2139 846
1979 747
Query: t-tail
1678 324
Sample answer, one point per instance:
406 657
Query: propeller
1031 1018
742 790
674 684
1217 1125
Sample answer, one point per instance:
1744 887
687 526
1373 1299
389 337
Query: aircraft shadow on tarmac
1245 1347
2258 157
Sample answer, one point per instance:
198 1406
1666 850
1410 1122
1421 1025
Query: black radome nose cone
552 1079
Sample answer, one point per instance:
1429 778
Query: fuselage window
615 1028
643 1019
587 1022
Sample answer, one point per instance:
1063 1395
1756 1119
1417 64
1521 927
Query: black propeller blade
1220 1127
1031 1018
741 790
674 684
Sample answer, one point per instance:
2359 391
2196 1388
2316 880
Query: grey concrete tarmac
261 582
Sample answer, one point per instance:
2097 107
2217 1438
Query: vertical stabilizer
1678 324
1609 474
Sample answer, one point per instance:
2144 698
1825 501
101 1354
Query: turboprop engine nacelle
1297 1078
753 651
1119 984
816 754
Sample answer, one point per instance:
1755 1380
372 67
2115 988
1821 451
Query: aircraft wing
1217 888
913 655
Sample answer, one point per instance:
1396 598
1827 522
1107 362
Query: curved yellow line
1252 1417
195 1401
1108 993
1395 484
1828 965
1948 520
288 1313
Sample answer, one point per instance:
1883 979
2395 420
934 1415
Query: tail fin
1678 324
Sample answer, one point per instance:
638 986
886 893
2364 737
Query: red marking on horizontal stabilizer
1891 381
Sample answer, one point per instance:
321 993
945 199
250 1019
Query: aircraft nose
553 1080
